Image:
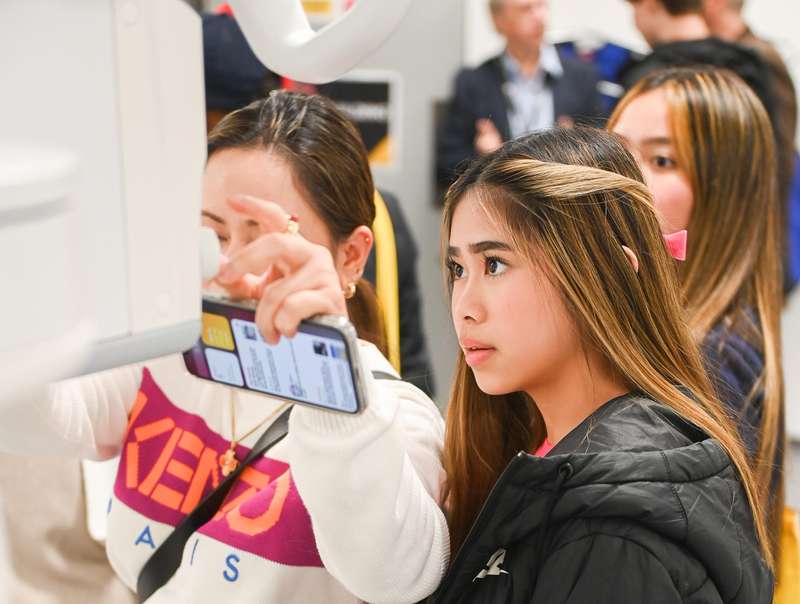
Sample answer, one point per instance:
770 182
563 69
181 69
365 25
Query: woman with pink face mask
706 148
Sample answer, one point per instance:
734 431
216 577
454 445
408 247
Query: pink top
543 449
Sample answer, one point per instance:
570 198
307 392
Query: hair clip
676 244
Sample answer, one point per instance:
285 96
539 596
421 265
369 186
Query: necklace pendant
228 462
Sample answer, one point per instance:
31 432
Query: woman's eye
663 162
495 266
456 270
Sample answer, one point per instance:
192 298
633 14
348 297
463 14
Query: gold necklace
229 461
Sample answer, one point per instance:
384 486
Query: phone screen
313 368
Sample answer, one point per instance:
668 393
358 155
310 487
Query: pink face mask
676 244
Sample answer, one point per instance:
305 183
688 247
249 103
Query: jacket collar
549 64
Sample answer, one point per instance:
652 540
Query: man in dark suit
528 87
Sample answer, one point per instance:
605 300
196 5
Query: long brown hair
732 275
329 161
569 200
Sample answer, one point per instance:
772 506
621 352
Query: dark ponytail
367 316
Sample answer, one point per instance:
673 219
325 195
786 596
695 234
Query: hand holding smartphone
320 366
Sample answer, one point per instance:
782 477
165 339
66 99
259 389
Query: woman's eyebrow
249 222
213 217
479 247
657 140
485 246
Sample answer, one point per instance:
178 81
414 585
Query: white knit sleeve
371 484
83 417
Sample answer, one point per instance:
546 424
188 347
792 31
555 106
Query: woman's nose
233 245
468 303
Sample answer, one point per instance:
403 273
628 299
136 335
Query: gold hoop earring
349 291
292 225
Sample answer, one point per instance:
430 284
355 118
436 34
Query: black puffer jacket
634 505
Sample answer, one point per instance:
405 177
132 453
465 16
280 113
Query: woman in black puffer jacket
587 458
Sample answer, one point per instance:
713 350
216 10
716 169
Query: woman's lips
477 356
476 352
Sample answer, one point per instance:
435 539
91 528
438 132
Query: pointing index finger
282 251
269 215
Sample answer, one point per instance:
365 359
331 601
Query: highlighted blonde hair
569 200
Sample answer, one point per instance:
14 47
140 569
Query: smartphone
320 366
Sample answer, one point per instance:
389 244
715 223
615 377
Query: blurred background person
528 87
726 21
234 77
678 35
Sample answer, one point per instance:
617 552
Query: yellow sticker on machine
217 331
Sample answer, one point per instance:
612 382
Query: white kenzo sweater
345 508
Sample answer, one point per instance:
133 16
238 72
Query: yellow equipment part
386 278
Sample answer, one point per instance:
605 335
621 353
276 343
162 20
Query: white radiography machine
102 148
